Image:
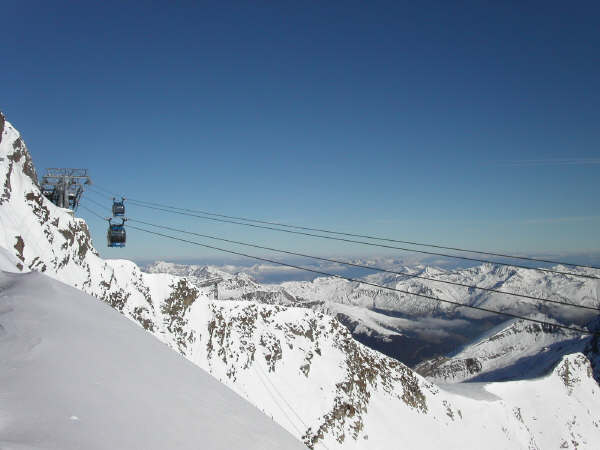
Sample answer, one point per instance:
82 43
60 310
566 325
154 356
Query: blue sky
469 123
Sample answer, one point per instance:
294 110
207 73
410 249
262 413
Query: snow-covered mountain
237 286
565 288
407 327
516 350
296 363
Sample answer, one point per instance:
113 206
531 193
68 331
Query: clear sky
467 123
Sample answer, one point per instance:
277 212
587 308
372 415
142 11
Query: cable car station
64 186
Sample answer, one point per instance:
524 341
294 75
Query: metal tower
64 187
214 282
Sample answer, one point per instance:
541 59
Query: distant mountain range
406 327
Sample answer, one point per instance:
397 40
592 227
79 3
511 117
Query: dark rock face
592 350
17 156
271 297
20 152
19 247
572 369
2 122
175 307
472 365
40 210
444 368
7 186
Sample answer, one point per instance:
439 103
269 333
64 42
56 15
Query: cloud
568 219
550 162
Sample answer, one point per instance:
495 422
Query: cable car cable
345 263
96 203
97 192
93 212
378 238
374 268
367 283
95 186
560 272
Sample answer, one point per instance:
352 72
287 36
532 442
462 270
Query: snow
76 375
567 398
514 351
8 261
369 321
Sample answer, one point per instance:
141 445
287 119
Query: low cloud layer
551 162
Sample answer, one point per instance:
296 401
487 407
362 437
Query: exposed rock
20 152
571 369
2 122
174 308
19 247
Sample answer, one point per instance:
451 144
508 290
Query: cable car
116 235
118 208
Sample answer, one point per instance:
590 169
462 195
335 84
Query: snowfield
76 375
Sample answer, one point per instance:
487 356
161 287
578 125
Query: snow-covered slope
75 375
517 350
299 365
307 371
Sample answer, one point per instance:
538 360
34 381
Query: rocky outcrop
446 369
